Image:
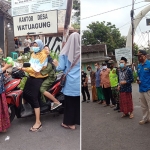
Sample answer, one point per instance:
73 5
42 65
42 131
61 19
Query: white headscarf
72 47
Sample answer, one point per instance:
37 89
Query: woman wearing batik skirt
125 88
4 114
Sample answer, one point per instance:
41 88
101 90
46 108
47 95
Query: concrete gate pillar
137 20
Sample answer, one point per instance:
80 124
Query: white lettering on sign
40 23
22 7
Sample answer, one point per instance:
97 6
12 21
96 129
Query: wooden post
67 22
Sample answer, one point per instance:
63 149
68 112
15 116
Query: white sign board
22 7
39 23
123 52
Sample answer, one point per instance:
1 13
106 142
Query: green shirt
50 71
113 77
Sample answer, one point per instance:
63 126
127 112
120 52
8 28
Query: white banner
22 7
123 52
39 23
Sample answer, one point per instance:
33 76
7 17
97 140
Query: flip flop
66 127
35 129
56 106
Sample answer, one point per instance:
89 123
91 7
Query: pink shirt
104 78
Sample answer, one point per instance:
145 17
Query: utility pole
67 22
132 22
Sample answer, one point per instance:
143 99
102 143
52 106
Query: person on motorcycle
49 81
4 114
31 92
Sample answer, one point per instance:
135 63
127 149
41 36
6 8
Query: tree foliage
102 32
76 17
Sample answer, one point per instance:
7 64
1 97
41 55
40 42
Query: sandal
35 129
124 115
131 116
66 126
56 105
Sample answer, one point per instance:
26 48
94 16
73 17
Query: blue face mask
36 49
121 65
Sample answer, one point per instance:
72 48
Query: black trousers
107 94
72 110
85 90
113 101
31 92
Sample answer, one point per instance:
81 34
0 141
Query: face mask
89 70
96 67
104 67
36 49
121 65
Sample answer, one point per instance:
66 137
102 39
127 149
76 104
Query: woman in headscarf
69 54
31 91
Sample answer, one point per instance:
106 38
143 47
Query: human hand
138 81
37 73
6 66
118 88
55 62
84 84
123 82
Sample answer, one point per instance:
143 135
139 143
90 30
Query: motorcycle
14 97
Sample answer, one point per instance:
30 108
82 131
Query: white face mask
96 67
104 67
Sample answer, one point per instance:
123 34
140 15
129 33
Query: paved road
52 137
104 129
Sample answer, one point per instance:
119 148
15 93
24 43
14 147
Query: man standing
27 43
100 94
125 88
92 76
85 87
144 85
105 83
113 76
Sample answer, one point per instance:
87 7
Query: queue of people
42 74
113 86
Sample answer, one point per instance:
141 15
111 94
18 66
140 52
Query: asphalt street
104 129
51 137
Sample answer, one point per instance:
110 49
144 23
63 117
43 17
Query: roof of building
93 48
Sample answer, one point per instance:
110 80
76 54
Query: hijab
72 47
40 44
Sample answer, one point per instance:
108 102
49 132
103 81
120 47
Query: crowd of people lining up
112 86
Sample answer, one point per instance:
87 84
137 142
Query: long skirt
72 110
126 103
4 114
100 94
94 93
31 92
